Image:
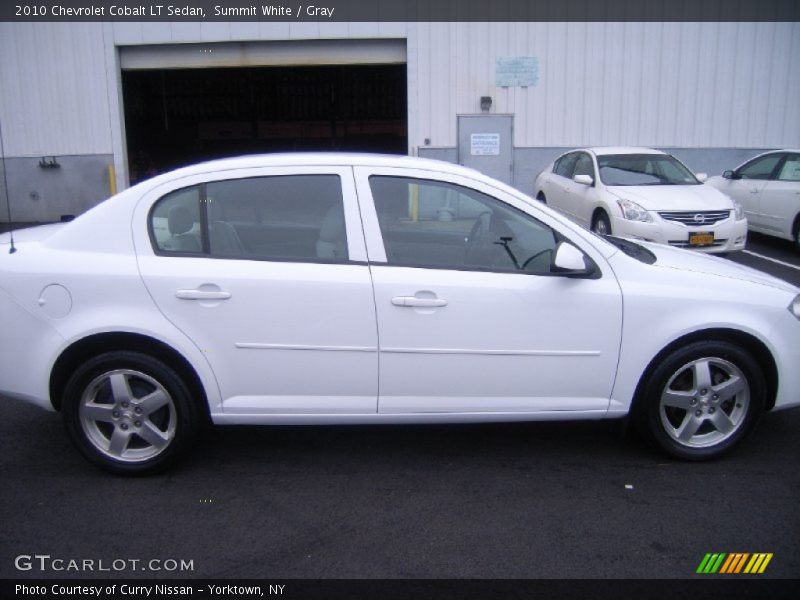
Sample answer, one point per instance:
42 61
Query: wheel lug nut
716 396
125 404
711 410
697 413
138 410
124 427
115 414
703 392
138 423
693 401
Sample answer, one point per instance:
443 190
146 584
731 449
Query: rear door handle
418 302
202 295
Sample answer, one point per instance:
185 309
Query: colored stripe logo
734 563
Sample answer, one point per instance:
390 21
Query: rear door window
282 217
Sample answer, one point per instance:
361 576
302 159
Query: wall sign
484 144
516 71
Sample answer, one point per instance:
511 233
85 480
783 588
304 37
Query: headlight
633 212
794 307
738 211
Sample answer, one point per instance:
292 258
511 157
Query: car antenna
5 188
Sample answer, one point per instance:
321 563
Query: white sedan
309 289
768 187
643 194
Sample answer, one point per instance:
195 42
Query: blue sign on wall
516 71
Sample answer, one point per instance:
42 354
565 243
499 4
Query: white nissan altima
644 194
768 187
309 289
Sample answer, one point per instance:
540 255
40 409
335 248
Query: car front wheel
702 400
128 412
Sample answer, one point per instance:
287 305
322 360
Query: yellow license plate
701 238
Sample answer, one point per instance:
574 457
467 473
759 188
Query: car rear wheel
128 412
702 400
601 225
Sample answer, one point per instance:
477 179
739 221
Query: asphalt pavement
539 500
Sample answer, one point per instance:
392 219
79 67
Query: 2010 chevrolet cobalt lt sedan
299 289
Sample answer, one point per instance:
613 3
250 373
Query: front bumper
729 235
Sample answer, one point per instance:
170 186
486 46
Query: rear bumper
28 344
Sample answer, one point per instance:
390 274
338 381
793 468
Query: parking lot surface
565 500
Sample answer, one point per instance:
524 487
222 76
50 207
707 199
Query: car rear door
560 196
470 318
780 198
265 270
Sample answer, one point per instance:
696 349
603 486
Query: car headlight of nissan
738 211
633 212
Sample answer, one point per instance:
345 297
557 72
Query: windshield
643 169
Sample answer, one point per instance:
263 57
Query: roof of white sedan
603 150
315 159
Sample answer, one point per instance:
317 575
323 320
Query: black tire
601 224
541 198
733 400
129 413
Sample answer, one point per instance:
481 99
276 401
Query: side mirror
701 177
729 174
570 262
583 179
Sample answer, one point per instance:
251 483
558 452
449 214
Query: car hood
687 260
673 197
31 234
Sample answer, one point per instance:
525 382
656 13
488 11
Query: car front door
582 198
748 184
266 272
470 317
780 199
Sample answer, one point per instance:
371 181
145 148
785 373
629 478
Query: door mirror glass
569 260
583 179
701 177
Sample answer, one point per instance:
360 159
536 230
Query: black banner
393 589
398 10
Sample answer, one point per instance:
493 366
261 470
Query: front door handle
418 302
202 295
754 191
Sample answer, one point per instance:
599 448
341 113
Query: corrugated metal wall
651 84
53 89
656 84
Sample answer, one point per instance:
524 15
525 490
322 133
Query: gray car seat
332 242
180 222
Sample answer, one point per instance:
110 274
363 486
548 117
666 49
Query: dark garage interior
175 117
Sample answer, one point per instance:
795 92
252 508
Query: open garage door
227 106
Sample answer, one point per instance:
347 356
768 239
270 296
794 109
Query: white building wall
53 92
730 85
727 85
